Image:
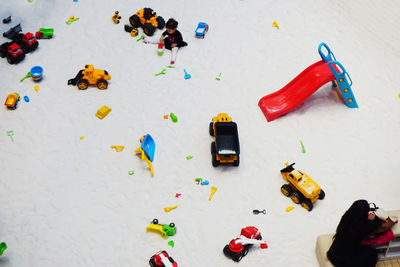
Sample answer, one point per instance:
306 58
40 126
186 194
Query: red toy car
162 259
239 247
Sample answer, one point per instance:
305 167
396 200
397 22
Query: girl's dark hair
171 24
354 217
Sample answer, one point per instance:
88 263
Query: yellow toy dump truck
147 19
91 76
300 187
225 148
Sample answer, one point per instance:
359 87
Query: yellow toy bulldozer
148 20
300 187
91 76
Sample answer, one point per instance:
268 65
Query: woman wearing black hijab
356 224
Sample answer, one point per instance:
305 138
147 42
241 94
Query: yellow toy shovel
213 190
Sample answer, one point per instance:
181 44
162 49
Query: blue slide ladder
341 78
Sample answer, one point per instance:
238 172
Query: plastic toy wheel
307 205
171 225
211 129
213 148
83 84
296 197
135 21
155 221
149 29
10 59
236 162
34 46
237 257
227 251
245 251
321 195
102 84
160 22
215 162
286 190
152 262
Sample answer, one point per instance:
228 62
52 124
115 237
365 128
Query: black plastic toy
7 20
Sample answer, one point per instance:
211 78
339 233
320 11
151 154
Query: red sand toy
306 83
239 247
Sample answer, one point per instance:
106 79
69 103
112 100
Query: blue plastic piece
342 80
329 56
201 29
26 98
205 182
187 75
149 146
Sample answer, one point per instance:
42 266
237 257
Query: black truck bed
227 138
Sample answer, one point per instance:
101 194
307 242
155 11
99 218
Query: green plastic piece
171 67
3 246
303 149
169 230
171 243
140 38
198 180
70 21
189 157
10 134
174 118
131 172
26 76
161 72
30 1
218 78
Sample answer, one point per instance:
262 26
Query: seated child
171 38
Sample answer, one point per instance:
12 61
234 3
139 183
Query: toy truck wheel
211 129
295 197
102 84
227 251
213 148
321 195
149 29
10 59
160 23
286 190
245 251
83 84
307 205
152 262
215 162
135 21
155 221
237 257
236 162
172 225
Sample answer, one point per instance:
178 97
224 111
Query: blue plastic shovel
187 75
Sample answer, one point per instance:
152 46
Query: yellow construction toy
163 229
148 20
12 101
91 76
102 112
116 17
300 187
226 147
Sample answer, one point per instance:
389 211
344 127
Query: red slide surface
297 91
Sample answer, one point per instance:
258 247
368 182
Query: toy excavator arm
246 241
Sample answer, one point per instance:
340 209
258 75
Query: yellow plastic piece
168 209
82 137
398 95
102 112
289 208
145 158
157 228
213 190
36 87
116 17
275 24
118 148
134 33
11 99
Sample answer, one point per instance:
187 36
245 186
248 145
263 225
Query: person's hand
371 216
161 39
174 45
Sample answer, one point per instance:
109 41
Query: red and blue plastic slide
308 82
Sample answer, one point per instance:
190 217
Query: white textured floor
71 202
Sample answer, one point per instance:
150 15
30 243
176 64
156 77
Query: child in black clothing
171 38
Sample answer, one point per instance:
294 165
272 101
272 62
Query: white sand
71 202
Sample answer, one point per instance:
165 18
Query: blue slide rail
342 78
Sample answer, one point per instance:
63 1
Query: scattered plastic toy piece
171 243
11 134
275 24
171 67
174 118
140 38
289 208
26 98
160 50
75 0
219 77
187 75
198 180
12 101
7 20
398 95
116 17
166 117
3 246
71 19
163 229
132 172
255 212
118 148
147 150
177 195
168 209
26 76
189 157
303 149
161 72
102 112
36 73
201 30
213 190
30 1
205 182
82 137
36 87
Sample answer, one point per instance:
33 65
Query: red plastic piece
235 247
250 232
297 91
177 195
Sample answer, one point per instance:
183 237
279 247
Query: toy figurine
116 17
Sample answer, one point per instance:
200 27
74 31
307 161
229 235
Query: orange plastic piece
166 117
